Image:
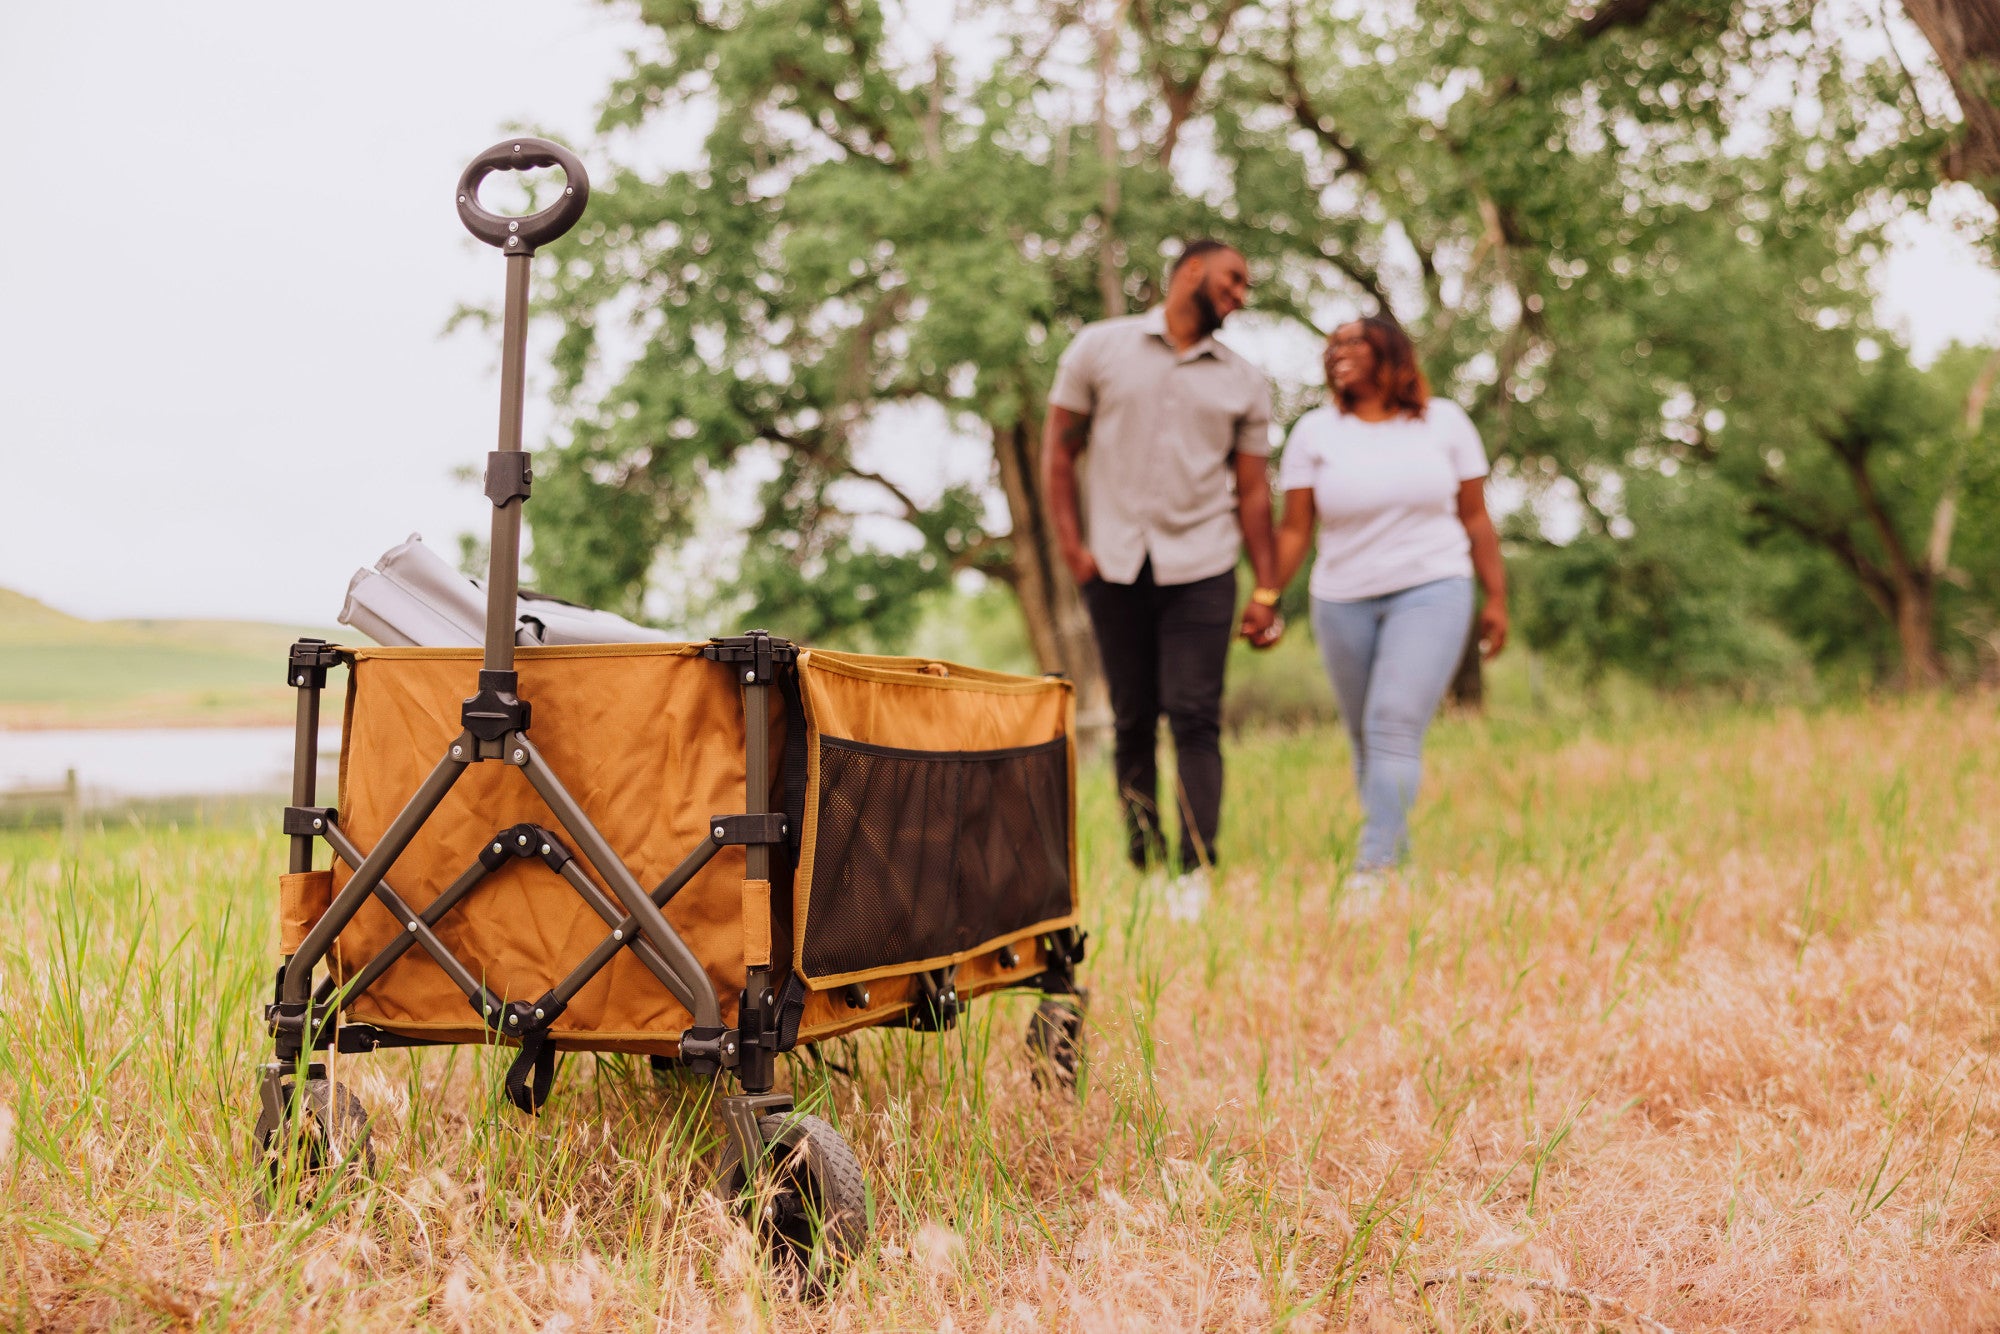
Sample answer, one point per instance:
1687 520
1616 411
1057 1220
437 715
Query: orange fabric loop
303 898
756 924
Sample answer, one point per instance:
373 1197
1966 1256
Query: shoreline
174 714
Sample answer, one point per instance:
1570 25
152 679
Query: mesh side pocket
921 854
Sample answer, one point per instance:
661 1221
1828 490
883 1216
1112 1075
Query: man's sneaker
1187 895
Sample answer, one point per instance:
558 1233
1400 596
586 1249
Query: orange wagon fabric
930 714
649 739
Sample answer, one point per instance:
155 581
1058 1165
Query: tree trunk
1965 34
1916 637
1110 280
1944 518
1058 626
1908 589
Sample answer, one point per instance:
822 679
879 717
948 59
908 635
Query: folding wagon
709 854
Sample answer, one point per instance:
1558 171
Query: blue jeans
1391 658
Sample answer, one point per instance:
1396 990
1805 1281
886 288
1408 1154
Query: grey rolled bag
414 597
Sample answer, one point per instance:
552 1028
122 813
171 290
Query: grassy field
1692 1018
58 670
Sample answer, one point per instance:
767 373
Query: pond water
114 764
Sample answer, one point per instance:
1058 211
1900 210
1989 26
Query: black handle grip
521 236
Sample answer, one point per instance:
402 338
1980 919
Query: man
1170 416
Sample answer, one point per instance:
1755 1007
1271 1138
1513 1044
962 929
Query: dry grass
1697 1017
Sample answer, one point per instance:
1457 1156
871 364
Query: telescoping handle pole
507 471
509 463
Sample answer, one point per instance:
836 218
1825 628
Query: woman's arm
1295 534
1261 625
1486 563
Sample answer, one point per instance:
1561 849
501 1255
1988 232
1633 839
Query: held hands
1262 625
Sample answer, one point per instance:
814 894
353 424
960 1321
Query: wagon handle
508 476
521 236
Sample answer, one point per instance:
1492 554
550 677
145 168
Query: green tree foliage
864 228
1899 497
1681 600
1644 273
1859 537
1668 297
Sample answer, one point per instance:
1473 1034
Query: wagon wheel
1055 1039
322 1132
809 1206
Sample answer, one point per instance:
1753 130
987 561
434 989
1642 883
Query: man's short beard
1204 306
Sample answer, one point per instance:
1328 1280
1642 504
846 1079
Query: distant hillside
58 670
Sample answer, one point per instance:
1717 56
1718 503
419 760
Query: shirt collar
1154 322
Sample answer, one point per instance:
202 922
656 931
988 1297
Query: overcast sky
229 253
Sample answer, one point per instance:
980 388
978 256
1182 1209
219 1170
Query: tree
1965 35
1737 559
1635 314
1900 488
1862 492
865 228
1679 599
877 228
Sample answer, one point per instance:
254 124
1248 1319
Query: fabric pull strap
756 924
533 1072
791 1010
303 898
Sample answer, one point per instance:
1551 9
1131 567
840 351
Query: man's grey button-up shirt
1164 426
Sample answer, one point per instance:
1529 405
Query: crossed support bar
371 869
660 950
303 1020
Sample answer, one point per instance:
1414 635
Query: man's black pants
1163 649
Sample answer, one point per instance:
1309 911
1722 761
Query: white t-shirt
1386 494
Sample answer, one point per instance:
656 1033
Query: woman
1394 482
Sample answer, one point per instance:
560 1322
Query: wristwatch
1266 597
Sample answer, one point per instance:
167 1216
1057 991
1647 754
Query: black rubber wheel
1055 1039
809 1206
331 1134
